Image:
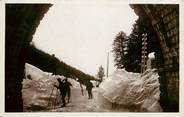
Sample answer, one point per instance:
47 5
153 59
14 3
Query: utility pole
144 53
107 64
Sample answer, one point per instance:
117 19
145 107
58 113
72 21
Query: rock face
165 21
140 92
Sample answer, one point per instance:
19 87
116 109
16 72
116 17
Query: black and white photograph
85 56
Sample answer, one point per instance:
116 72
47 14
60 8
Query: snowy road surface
81 103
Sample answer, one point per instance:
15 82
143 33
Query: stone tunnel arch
165 22
22 21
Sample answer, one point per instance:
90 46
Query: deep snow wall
131 90
38 91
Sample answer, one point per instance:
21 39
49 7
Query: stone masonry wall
165 21
21 23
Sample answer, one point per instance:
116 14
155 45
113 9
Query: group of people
65 90
64 87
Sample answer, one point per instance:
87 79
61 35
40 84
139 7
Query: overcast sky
81 33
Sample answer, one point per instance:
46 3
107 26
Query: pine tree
101 73
140 27
119 49
127 49
134 51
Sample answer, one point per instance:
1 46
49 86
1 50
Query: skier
89 87
63 91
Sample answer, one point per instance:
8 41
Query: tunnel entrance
22 21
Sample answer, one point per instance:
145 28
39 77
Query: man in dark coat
67 85
89 87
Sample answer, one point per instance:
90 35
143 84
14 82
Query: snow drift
131 90
37 89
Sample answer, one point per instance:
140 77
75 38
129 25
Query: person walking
89 87
67 85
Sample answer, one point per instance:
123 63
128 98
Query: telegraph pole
144 53
107 64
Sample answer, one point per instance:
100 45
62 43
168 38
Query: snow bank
137 91
37 89
33 71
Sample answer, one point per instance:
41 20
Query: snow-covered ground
121 92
